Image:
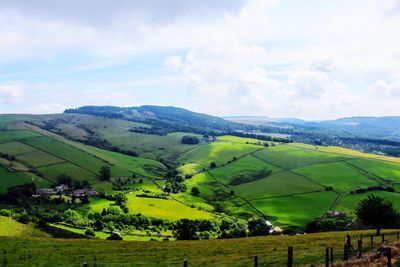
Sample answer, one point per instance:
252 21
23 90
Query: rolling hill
289 184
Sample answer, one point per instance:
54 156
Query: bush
90 233
195 191
190 140
6 212
114 236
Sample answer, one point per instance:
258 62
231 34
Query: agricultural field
13 178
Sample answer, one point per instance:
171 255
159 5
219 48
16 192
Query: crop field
164 208
271 250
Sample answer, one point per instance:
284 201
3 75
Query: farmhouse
44 192
90 192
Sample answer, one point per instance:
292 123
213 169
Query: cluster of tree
373 188
328 224
150 130
186 229
7 156
174 182
190 140
262 137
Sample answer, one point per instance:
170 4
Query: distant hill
178 119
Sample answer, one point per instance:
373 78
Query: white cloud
11 93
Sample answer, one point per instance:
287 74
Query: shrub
90 233
114 236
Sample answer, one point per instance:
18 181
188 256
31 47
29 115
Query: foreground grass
271 250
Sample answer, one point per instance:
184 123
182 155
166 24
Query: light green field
12 228
190 168
278 184
205 182
164 208
290 157
296 210
382 169
340 175
245 166
9 179
218 152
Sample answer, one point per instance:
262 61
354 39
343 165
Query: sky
311 59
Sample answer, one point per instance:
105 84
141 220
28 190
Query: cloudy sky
313 59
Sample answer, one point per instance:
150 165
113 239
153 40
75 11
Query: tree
195 191
120 198
258 227
213 165
105 173
378 212
64 179
185 229
71 216
190 140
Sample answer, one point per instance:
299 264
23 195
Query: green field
11 178
12 228
279 184
339 175
245 166
382 169
296 210
218 152
349 202
164 208
289 157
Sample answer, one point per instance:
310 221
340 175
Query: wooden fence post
185 263
290 257
255 261
383 238
359 249
327 257
372 240
389 257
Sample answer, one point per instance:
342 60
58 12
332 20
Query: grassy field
9 179
164 208
12 228
339 175
279 184
289 157
271 250
349 202
218 152
296 210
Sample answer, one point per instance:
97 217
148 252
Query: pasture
12 228
271 250
164 208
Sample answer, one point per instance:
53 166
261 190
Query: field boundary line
289 195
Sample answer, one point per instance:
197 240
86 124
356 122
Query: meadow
271 251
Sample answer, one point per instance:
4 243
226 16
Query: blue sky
313 59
